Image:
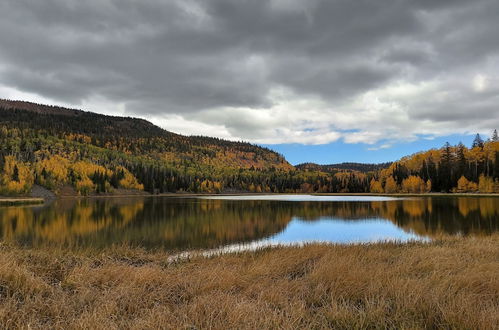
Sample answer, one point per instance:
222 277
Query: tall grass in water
450 283
20 201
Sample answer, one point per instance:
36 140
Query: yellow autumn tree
84 185
82 171
217 186
375 187
129 181
52 171
413 184
428 186
485 184
16 177
464 185
391 185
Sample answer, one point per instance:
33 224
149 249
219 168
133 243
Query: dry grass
4 201
453 283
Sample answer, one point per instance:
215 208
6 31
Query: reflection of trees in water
312 211
208 223
173 223
64 220
440 216
423 216
198 223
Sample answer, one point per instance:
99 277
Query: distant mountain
343 166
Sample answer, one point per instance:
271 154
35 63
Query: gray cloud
266 71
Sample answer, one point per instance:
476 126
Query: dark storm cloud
186 57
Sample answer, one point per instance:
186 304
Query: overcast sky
276 71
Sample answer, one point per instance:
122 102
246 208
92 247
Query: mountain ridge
106 129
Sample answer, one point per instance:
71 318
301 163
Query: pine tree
15 174
445 169
495 137
477 142
461 161
496 165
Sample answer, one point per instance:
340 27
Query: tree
477 142
445 169
463 185
461 160
495 137
485 184
15 174
428 186
376 187
390 185
496 165
413 184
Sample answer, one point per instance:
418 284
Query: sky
317 80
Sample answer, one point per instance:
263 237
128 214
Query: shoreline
12 201
189 195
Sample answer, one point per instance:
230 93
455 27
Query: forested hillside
360 167
87 153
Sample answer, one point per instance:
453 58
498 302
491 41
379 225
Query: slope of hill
94 153
135 135
360 167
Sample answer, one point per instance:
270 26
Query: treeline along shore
73 152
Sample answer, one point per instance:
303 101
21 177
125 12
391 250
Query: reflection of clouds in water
299 233
306 198
338 231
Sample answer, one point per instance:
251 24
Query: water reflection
177 223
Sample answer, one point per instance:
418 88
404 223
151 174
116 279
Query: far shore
188 195
13 201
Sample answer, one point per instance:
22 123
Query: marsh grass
449 283
20 201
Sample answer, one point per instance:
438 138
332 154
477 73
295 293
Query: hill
74 152
135 135
55 147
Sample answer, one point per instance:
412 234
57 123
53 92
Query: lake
212 222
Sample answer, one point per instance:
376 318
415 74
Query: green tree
15 174
477 142
495 137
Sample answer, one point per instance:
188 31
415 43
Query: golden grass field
449 283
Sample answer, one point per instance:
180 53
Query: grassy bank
452 283
4 201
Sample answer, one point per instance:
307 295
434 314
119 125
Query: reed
20 201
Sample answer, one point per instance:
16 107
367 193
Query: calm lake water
212 222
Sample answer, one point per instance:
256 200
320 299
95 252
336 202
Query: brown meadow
448 283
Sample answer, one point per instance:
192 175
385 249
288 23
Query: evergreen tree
445 169
495 137
496 165
462 165
477 142
15 174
